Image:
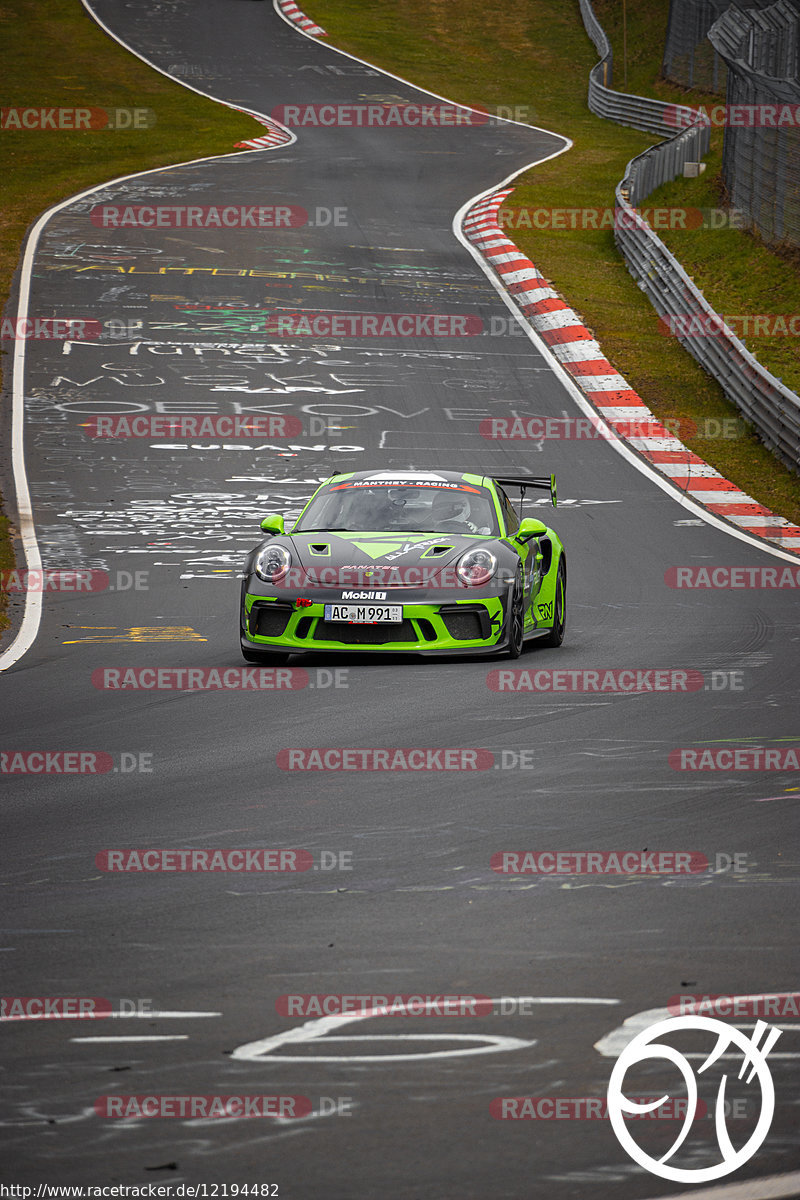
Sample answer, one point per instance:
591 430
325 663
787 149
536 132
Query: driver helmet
450 508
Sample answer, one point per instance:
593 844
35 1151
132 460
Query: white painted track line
771 1187
144 1037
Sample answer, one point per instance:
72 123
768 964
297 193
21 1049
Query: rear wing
545 483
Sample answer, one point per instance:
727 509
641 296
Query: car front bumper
449 624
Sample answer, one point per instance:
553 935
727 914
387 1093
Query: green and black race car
428 562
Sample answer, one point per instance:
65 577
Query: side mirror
529 528
273 524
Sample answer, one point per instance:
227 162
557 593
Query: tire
516 619
556 635
266 658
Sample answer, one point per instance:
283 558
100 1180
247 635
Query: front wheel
556 635
516 619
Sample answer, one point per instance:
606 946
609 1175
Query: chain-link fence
761 147
689 57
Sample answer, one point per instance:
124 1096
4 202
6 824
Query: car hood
389 555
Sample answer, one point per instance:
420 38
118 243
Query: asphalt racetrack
402 899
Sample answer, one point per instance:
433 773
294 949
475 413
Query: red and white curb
570 342
277 136
290 10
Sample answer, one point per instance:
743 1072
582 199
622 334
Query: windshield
360 506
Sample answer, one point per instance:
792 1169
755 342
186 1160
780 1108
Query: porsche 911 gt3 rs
425 562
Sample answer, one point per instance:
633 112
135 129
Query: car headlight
272 563
476 567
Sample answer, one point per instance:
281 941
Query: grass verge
55 56
515 56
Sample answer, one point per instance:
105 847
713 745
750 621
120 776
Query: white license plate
365 614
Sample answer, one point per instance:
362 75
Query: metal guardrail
772 407
640 112
763 399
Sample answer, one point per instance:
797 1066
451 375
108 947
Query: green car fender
541 553
545 603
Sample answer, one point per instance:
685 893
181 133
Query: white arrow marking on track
323 1026
612 1045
